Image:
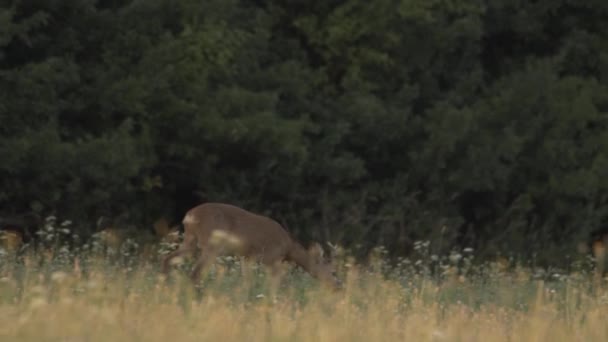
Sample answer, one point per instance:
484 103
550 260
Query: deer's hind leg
188 246
205 258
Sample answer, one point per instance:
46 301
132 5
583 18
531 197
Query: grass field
61 297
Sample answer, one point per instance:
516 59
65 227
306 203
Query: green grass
66 296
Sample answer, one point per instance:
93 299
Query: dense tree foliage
471 123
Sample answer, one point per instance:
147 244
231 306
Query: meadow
62 294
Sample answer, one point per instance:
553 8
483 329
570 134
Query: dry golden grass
113 303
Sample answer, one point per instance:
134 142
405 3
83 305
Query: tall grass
63 295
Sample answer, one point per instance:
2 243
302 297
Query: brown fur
223 229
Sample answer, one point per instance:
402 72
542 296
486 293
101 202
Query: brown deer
11 240
222 229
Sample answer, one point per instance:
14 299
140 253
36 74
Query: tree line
468 123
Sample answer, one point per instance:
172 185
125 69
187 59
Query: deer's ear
316 251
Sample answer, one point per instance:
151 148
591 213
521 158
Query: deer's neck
299 255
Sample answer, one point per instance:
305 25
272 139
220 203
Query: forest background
467 123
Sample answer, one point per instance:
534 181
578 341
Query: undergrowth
93 293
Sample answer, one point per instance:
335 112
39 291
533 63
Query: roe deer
222 229
10 240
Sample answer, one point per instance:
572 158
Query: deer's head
323 269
